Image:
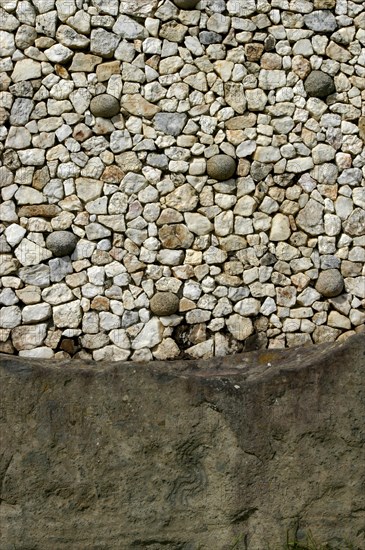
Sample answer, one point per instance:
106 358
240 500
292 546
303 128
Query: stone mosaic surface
180 179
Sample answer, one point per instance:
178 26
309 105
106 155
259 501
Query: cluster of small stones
180 179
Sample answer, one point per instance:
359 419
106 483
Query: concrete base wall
184 455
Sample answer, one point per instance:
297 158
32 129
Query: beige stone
84 62
176 236
254 51
301 66
136 105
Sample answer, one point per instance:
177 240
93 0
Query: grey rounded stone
105 106
319 84
330 283
164 303
61 243
186 4
221 167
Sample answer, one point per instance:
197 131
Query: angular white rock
10 317
150 335
58 53
57 294
197 223
14 234
26 69
240 327
68 315
36 313
30 253
280 228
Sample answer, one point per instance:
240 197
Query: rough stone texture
310 218
356 222
321 21
362 128
138 8
137 105
176 236
171 124
194 454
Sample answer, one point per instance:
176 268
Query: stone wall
180 179
184 455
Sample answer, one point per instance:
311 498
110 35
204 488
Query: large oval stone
221 167
61 243
330 283
186 4
164 303
319 84
105 106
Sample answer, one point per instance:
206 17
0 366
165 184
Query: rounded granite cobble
221 167
61 243
104 105
330 283
319 84
186 4
180 179
164 303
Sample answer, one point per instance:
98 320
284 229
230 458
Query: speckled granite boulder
186 4
319 84
330 283
105 106
221 167
164 303
61 243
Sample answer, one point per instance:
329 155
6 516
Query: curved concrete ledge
184 455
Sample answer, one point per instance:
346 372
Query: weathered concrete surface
184 455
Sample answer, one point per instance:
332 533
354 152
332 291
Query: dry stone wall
180 179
